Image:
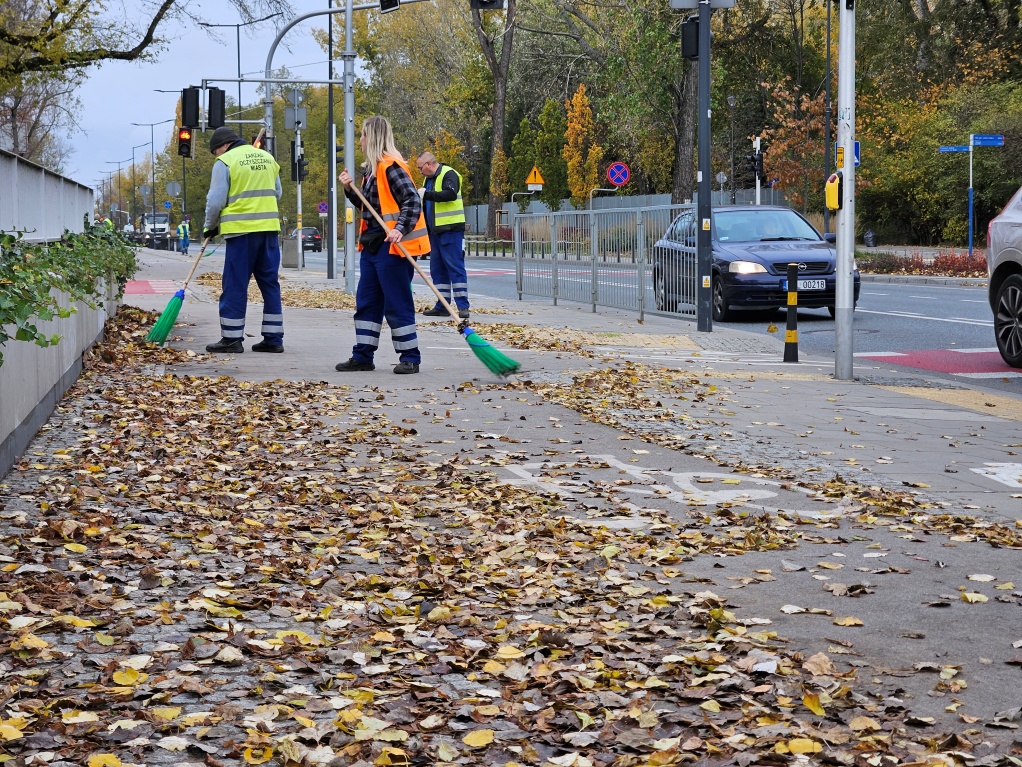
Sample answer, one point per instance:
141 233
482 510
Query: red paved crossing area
968 363
149 287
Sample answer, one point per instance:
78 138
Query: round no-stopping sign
322 207
618 174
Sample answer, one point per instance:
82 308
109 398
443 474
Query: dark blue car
752 247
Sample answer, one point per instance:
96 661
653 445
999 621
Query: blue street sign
839 154
618 174
167 204
987 139
953 149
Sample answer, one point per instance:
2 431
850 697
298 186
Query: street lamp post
119 202
475 184
134 186
152 149
237 30
826 125
731 103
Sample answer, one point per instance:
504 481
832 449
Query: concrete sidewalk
872 521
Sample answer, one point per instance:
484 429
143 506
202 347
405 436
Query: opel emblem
802 267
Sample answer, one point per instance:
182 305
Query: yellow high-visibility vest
447 213
252 197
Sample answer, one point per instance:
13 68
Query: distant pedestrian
445 220
183 235
242 205
384 283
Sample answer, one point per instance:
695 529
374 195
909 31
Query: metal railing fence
605 258
38 202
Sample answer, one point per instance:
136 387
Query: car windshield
762 225
310 230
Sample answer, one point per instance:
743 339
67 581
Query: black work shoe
226 346
266 346
436 311
354 365
463 313
403 368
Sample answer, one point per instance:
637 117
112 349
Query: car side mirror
830 237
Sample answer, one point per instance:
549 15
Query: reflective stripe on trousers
447 267
255 254
384 290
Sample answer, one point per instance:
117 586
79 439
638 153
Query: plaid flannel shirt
404 191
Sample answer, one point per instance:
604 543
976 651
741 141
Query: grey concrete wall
34 378
43 204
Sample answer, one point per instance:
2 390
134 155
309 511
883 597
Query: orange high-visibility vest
416 242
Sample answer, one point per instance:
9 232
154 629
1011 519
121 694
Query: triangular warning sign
534 176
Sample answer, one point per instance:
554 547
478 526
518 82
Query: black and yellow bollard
791 330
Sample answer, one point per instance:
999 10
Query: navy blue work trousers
385 291
253 254
447 267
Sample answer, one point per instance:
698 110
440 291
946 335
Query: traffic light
487 5
217 112
184 142
303 168
294 162
690 38
757 166
386 6
190 107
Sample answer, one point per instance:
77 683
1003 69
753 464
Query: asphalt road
944 329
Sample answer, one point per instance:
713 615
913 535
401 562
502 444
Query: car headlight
746 267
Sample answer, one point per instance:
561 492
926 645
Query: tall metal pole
152 148
970 195
845 298
237 29
184 191
731 105
349 139
704 319
331 155
826 123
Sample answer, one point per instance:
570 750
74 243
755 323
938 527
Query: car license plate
809 284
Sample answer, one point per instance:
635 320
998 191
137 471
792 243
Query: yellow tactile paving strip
968 399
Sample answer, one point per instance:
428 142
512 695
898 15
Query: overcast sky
120 93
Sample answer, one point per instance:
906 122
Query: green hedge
32 275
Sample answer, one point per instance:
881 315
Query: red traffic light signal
184 142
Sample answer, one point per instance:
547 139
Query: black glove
208 234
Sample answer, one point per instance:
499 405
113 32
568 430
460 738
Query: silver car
1004 266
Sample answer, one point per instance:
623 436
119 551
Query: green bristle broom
495 360
161 330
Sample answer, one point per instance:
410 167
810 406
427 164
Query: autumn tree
550 154
582 154
523 155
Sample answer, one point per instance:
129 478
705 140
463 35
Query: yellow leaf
77 548
10 733
972 597
251 757
710 705
487 710
804 746
812 701
1005 586
29 642
104 760
126 677
509 652
104 639
847 621
166 713
76 717
864 723
492 667
478 738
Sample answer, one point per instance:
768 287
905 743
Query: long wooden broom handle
379 219
195 263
